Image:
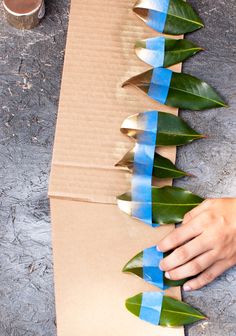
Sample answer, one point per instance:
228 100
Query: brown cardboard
92 238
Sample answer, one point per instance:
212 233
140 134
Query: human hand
205 244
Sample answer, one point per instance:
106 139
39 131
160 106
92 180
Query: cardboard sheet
92 238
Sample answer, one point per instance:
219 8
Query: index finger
177 237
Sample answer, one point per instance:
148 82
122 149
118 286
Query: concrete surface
30 73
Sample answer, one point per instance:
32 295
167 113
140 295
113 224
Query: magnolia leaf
162 167
172 312
177 313
149 272
179 16
172 130
164 52
184 91
169 204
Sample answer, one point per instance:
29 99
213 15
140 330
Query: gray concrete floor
30 73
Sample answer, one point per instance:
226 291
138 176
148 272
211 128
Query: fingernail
160 267
167 275
158 249
187 288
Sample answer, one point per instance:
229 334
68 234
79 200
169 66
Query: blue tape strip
151 271
160 84
151 307
143 166
154 53
157 14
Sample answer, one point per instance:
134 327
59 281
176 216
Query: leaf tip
190 175
125 84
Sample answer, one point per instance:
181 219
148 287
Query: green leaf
169 204
174 313
173 131
188 92
175 52
185 91
162 167
181 18
135 266
133 304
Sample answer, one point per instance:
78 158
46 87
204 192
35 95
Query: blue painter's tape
157 14
160 84
151 307
154 53
151 271
143 166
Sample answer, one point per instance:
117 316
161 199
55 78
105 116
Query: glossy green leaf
169 204
162 167
176 51
181 17
185 91
188 92
173 131
174 313
135 266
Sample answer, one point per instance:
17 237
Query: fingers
176 238
184 253
183 233
197 211
193 267
207 276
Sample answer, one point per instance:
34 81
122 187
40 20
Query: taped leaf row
157 206
144 128
176 89
172 131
